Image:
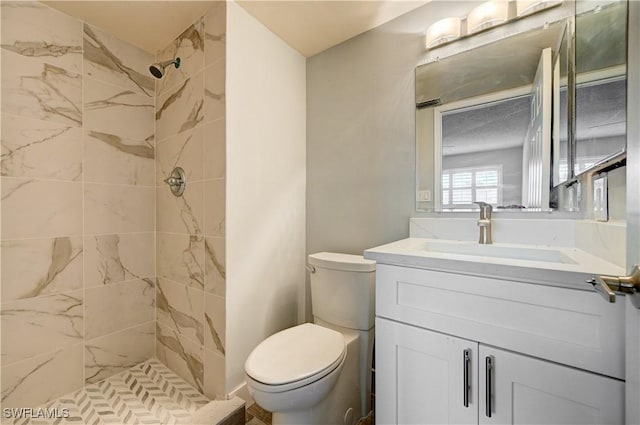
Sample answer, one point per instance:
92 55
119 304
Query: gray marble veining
215 267
35 267
180 355
39 49
184 150
40 149
78 112
114 353
109 262
40 90
111 110
111 209
112 60
214 335
189 47
38 325
61 370
109 158
143 151
180 108
215 196
215 25
34 30
118 306
182 214
182 307
214 91
38 208
118 258
180 258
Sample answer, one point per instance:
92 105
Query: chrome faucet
484 223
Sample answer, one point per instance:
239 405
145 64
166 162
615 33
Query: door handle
488 365
607 286
466 362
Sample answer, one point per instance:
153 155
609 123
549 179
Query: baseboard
242 391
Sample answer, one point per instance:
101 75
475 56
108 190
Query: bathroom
287 151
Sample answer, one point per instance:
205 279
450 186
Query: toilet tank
343 289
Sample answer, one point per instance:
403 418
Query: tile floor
255 415
148 393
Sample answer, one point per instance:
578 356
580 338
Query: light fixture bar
486 15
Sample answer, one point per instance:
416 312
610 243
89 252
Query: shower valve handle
174 181
177 181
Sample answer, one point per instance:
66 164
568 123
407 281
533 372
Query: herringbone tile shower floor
148 393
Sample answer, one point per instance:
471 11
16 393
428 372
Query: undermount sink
516 252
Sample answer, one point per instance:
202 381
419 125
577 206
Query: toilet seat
295 357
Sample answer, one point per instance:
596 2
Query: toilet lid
295 354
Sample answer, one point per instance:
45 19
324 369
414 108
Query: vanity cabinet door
420 376
524 390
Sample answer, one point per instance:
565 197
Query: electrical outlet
424 195
600 199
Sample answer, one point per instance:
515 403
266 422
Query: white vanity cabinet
556 353
420 376
525 390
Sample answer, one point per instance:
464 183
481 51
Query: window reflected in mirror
483 125
482 153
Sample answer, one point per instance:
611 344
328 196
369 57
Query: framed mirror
484 124
600 112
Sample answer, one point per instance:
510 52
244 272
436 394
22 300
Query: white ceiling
309 26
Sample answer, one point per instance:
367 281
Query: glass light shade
487 15
527 7
443 31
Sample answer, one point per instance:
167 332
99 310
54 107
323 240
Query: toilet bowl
296 368
320 373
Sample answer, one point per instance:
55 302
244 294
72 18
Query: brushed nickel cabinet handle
466 362
488 370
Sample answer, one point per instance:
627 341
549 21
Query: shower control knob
177 181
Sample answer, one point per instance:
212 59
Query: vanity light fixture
443 31
527 7
487 15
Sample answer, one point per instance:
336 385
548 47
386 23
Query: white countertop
572 268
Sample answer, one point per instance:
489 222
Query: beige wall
190 250
78 270
265 186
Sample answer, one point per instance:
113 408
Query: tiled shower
102 268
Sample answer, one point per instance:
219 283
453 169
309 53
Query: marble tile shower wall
78 198
190 238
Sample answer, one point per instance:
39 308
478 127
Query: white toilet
321 373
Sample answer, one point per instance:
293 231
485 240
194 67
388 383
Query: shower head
157 69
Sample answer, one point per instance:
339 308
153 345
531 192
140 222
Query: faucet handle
484 206
485 209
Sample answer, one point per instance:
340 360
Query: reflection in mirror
561 111
484 125
600 82
482 150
